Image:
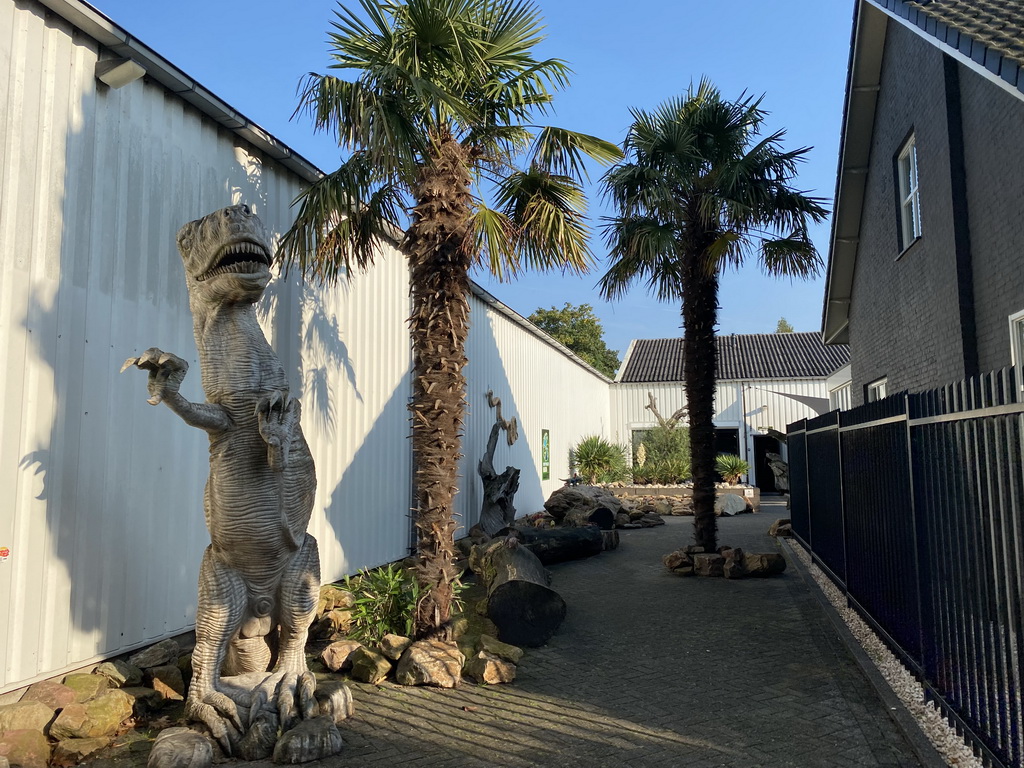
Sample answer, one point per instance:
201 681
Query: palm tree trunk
700 314
439 260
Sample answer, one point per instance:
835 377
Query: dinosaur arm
208 416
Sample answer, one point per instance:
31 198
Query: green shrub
386 599
599 461
667 459
730 467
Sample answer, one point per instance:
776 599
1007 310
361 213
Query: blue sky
624 54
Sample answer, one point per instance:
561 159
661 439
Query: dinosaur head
226 256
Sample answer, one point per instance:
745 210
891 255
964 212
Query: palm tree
696 192
434 117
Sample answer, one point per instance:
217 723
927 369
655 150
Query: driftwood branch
671 421
497 509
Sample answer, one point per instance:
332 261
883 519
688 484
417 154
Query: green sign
545 454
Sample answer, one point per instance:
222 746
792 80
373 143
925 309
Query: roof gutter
115 39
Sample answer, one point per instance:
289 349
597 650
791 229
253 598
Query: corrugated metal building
100 495
765 381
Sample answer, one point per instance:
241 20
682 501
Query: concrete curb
922 746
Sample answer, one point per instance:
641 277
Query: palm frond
341 221
562 152
641 249
495 242
549 214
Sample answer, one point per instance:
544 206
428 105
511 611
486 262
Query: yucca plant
731 467
386 600
599 460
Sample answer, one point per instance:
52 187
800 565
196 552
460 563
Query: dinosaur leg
222 603
299 592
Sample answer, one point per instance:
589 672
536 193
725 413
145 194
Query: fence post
919 577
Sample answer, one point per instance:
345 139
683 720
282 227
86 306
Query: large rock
730 504
333 596
168 680
431 662
763 564
709 565
369 666
338 656
335 700
651 519
26 716
27 749
164 652
393 646
679 562
495 647
101 716
310 740
489 669
781 527
71 752
119 673
575 502
145 701
86 686
180 748
53 694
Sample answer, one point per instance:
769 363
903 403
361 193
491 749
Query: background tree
579 329
439 112
783 326
697 192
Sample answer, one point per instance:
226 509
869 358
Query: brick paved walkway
651 669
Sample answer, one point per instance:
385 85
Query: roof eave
862 84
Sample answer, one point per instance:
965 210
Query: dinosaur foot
248 711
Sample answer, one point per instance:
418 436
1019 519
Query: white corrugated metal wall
539 385
751 405
101 494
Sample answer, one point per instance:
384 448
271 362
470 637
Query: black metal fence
915 505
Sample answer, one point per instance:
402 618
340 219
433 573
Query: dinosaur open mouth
242 258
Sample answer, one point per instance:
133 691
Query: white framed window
1017 338
841 398
876 390
910 195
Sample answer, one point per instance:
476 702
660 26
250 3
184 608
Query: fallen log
556 545
520 600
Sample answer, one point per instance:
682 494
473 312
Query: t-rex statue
260 576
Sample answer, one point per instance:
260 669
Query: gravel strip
906 687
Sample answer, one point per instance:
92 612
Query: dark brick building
924 280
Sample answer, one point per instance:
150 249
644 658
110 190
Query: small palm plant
731 467
599 460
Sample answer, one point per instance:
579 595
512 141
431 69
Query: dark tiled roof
996 24
741 356
989 31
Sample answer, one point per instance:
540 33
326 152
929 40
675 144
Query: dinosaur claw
129 363
155 399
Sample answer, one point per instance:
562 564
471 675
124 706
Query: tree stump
520 600
556 545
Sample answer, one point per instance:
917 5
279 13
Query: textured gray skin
260 576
